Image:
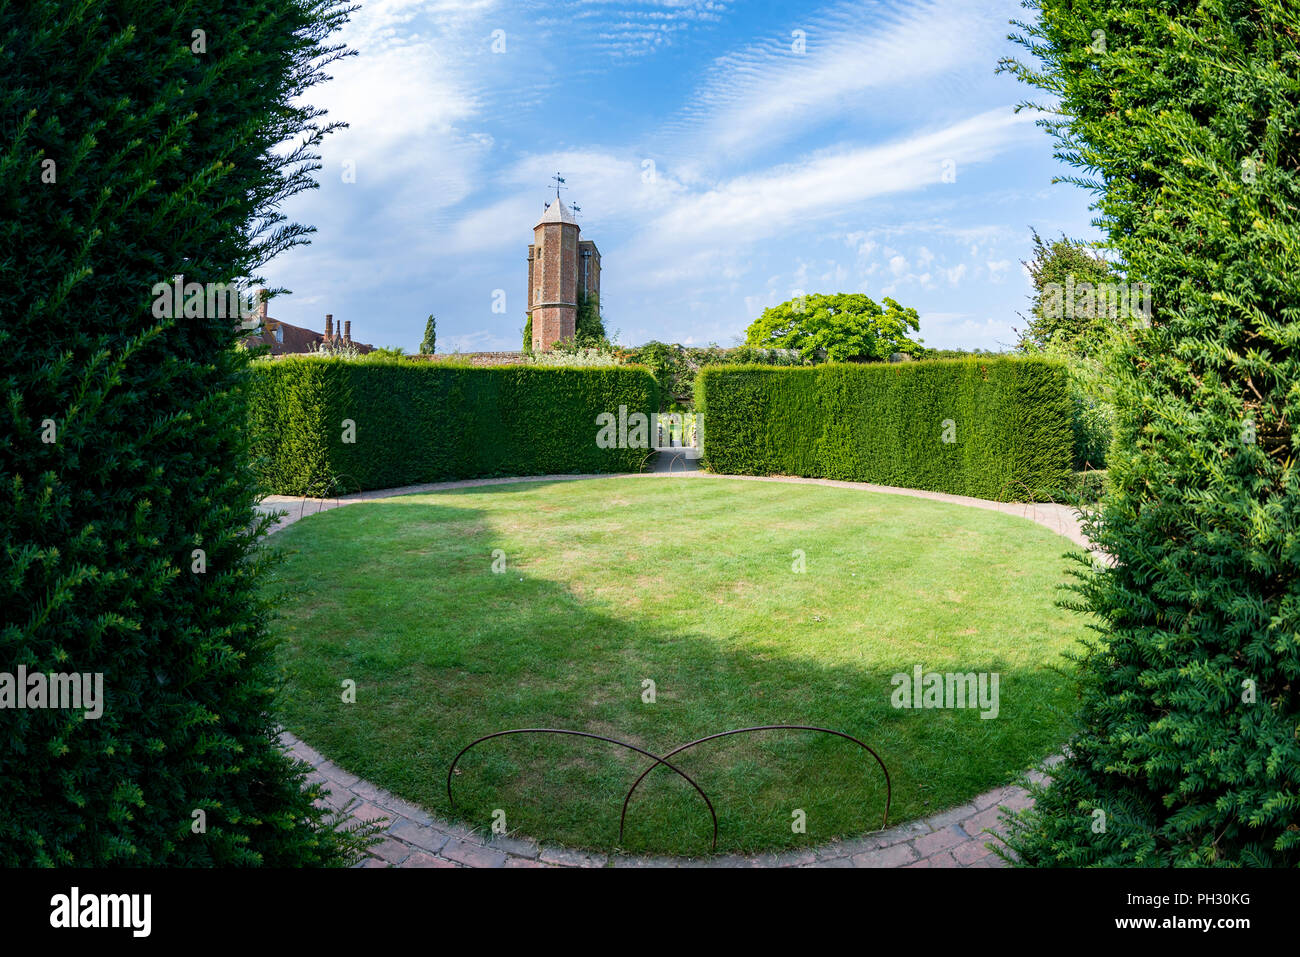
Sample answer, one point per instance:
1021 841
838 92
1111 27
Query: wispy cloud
668 217
839 60
637 28
760 205
617 190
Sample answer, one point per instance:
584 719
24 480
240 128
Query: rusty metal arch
599 737
889 788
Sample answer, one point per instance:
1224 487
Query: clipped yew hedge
415 423
1008 419
130 553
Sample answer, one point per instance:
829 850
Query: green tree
848 327
430 336
672 369
134 148
1078 304
1061 271
1186 116
528 333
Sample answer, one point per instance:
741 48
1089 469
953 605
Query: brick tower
559 265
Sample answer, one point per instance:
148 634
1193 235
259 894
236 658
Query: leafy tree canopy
847 327
1067 275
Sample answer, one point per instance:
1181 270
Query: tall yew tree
1184 117
138 142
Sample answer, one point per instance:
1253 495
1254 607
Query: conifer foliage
1184 117
136 145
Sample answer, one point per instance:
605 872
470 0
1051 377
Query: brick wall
554 277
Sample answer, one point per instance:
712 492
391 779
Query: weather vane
559 184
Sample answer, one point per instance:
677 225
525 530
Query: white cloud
836 274
611 188
757 206
861 243
415 143
768 93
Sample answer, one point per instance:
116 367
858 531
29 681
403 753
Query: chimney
329 326
347 330
261 305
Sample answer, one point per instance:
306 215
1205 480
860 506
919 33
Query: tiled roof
557 212
296 339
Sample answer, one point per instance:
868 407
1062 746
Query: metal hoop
599 737
889 790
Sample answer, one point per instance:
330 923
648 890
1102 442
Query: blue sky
726 156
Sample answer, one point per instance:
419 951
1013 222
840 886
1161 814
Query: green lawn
689 583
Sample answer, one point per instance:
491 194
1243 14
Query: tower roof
557 212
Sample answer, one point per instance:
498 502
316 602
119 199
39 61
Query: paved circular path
960 837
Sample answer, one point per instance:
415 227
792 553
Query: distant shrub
574 358
675 367
960 354
1093 423
338 349
1087 486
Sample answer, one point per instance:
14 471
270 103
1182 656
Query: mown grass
687 583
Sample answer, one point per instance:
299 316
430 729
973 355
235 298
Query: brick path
960 837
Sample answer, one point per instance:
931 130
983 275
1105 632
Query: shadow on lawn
437 666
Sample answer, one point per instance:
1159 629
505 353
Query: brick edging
960 837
